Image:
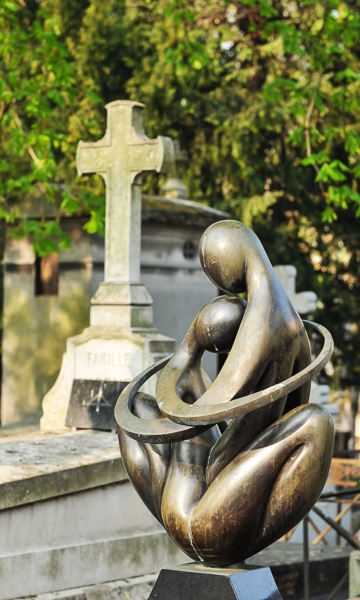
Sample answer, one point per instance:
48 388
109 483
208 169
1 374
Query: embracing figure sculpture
230 466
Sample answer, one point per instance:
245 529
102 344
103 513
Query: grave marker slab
92 404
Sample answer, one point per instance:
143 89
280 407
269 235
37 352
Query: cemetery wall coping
39 466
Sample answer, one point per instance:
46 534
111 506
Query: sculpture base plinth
195 582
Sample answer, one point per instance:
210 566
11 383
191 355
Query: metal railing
344 472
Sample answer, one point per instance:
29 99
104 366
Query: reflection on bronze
230 466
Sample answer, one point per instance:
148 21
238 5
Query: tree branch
30 150
307 130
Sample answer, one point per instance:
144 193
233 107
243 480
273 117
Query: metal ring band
184 421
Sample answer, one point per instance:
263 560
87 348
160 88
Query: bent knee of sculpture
231 465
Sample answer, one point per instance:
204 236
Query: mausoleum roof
155 209
160 209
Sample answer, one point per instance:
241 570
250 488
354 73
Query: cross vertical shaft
121 157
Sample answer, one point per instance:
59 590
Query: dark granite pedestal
195 582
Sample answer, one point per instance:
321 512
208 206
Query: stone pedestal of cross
120 342
121 157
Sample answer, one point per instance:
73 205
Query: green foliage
47 235
262 94
258 83
36 87
41 122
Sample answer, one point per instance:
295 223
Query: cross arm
93 157
151 155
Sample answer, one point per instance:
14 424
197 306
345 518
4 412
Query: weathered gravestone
121 340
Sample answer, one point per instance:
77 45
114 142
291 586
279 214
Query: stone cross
121 157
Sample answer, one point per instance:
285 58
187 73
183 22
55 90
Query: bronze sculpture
230 466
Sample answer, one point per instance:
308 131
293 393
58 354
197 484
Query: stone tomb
69 516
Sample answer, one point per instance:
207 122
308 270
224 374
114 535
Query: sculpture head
218 322
222 252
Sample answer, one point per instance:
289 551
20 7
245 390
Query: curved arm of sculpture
202 417
157 431
185 414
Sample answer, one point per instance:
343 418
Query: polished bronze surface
230 466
